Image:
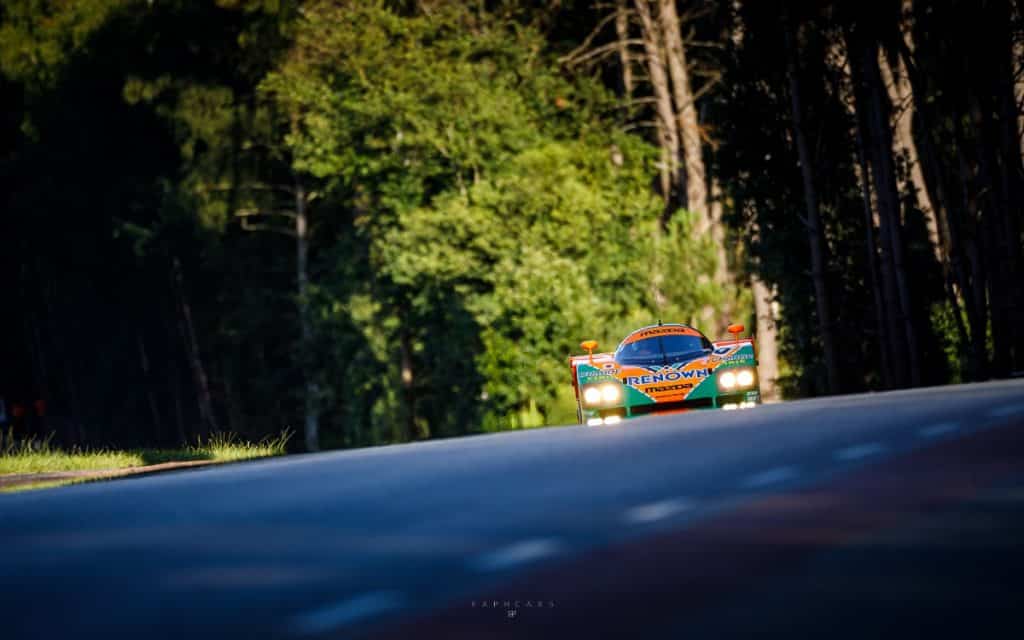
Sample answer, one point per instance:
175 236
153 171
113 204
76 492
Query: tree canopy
392 220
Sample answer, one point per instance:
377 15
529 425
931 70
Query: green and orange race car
663 368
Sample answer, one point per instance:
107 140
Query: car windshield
662 349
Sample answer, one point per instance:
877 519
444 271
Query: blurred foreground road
884 515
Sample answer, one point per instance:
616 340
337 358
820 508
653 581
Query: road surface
880 515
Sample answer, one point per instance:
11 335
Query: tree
873 111
469 189
469 192
813 222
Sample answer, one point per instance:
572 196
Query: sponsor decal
737 357
671 376
671 387
663 368
668 330
664 331
729 353
594 374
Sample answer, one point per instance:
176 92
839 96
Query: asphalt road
878 515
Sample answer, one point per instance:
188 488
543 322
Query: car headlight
605 394
745 378
727 380
736 379
610 393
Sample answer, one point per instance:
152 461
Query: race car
664 368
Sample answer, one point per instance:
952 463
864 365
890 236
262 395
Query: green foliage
476 213
944 322
485 189
40 35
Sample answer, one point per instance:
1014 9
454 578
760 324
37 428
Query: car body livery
663 368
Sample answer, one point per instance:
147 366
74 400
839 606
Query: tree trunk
686 112
927 187
708 211
902 100
886 349
889 303
767 338
310 391
869 208
959 287
974 274
815 235
147 381
179 410
58 341
174 379
668 129
995 253
843 89
1008 130
203 398
408 385
1011 233
625 59
929 190
871 103
1017 48
721 276
31 325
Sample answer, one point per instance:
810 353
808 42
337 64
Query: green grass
40 457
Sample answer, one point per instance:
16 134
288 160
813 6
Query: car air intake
644 409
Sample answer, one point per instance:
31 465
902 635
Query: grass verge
28 457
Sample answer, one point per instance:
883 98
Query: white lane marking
654 511
858 451
771 476
1006 410
936 430
515 554
347 612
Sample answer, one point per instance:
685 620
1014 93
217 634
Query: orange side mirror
735 329
589 346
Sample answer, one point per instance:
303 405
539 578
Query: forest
375 221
